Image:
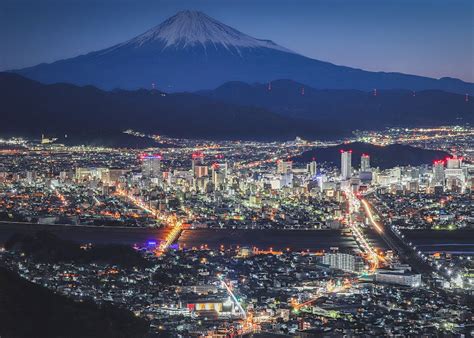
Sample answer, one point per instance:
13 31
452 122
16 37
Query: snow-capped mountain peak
191 28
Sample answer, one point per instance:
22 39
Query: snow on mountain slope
191 28
192 51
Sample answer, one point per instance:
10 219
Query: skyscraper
438 172
197 158
219 175
284 167
200 171
365 163
454 163
346 165
312 168
151 165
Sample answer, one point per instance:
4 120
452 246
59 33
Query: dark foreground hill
29 107
380 156
29 310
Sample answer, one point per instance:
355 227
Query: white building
365 163
312 168
342 261
398 277
438 172
151 165
284 167
454 163
346 164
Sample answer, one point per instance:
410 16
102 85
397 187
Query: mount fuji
192 51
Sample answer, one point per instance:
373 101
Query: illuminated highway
236 301
392 244
171 221
357 232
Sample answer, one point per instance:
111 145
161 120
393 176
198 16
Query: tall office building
151 165
200 171
346 165
454 163
365 163
197 158
312 168
219 175
438 172
284 167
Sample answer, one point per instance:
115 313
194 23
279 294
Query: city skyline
236 168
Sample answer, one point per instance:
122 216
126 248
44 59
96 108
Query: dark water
265 239
84 234
456 241
450 241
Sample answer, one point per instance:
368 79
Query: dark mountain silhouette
30 107
350 108
29 310
191 51
380 156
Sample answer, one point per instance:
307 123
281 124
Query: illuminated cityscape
192 180
190 211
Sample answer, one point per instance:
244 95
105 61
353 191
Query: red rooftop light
146 156
198 154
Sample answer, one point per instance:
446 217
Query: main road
353 207
406 251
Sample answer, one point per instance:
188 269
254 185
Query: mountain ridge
318 114
236 57
359 109
66 108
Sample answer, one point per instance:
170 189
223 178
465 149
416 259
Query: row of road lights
453 277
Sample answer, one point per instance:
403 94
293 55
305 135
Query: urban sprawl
362 272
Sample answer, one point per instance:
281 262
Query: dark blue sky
426 37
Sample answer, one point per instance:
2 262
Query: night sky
425 37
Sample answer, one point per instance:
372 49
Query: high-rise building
197 158
219 175
284 167
346 164
365 163
151 165
30 176
438 172
454 163
312 168
200 171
